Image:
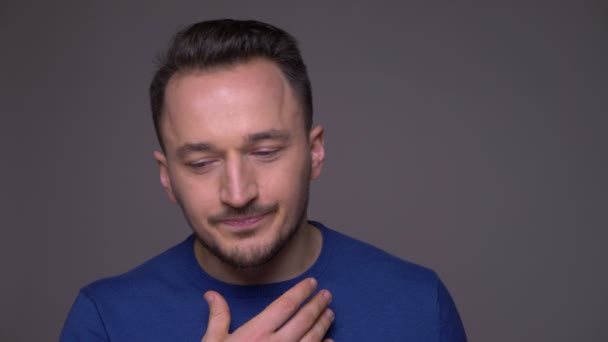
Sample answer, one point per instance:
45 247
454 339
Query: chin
252 253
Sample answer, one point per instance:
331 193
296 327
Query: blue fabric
376 297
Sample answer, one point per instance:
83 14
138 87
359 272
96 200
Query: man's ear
165 180
317 151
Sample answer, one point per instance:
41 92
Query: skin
239 161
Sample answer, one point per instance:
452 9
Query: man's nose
239 185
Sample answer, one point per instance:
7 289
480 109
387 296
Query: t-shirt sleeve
451 328
84 322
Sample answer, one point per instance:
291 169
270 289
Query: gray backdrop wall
468 137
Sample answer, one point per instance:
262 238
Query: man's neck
298 255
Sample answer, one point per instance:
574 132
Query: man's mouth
245 221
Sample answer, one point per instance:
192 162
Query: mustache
253 209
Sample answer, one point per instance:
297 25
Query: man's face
238 159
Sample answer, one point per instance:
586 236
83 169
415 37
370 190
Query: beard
260 254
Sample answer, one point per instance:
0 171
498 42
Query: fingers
311 321
308 322
320 328
283 307
219 317
318 331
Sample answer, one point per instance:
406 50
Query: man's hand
308 324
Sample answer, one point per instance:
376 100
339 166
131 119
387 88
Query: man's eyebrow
271 134
185 149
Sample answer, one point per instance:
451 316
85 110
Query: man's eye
198 165
266 153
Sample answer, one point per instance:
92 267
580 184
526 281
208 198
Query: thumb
219 317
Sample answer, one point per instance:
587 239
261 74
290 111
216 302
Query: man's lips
244 221
243 218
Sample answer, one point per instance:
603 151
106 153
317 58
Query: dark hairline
231 42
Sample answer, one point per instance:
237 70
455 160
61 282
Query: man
232 108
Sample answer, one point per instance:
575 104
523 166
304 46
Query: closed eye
266 153
201 165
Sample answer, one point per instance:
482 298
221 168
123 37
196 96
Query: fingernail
327 295
209 297
329 313
313 282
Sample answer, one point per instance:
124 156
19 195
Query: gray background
466 136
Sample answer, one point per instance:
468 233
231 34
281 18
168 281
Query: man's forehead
234 103
252 86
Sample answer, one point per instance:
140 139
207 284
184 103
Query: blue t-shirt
376 297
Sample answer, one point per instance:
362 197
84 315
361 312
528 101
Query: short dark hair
226 42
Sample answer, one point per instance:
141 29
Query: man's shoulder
373 286
365 258
166 267
161 295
